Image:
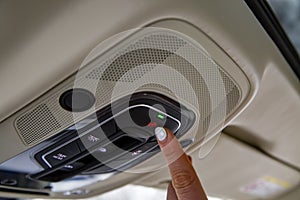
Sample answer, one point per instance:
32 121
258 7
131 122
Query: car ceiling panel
271 122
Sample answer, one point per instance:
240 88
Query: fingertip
160 134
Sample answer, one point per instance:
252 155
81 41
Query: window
280 19
288 14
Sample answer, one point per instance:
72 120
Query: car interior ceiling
84 84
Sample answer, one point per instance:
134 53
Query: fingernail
160 133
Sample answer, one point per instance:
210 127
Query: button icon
136 152
72 166
160 116
69 166
59 156
152 124
92 138
102 149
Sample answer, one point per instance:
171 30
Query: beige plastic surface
271 122
232 166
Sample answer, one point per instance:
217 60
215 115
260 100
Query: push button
92 138
147 147
64 153
116 148
167 122
98 135
72 166
146 150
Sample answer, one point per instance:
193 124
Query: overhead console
111 140
100 121
114 142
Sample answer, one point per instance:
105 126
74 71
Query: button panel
117 142
62 154
137 127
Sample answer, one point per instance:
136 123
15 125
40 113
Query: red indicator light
152 124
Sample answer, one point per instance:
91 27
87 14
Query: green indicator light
161 116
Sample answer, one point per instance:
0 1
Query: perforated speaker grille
136 56
133 64
44 123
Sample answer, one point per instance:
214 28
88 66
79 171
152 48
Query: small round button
77 100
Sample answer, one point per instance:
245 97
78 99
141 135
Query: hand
185 183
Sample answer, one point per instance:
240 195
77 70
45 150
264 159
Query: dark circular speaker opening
77 100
